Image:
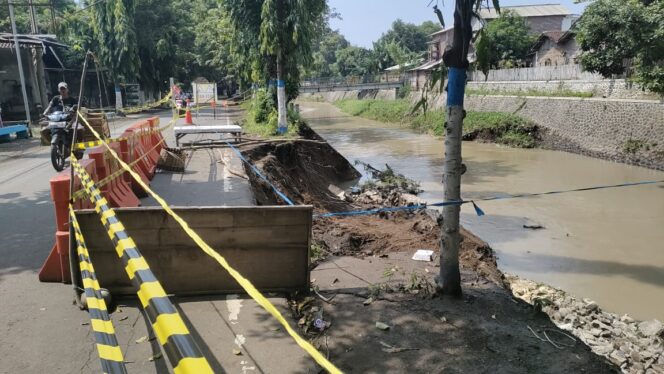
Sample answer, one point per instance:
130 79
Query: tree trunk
456 58
450 276
281 97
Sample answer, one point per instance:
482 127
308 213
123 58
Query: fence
539 73
353 80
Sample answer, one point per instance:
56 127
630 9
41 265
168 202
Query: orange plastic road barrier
56 266
117 191
145 168
127 154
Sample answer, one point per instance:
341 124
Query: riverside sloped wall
629 131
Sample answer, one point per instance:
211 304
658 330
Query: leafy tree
403 43
325 51
354 60
410 36
429 27
116 41
276 39
613 32
507 39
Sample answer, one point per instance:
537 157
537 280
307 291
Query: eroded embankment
486 329
307 171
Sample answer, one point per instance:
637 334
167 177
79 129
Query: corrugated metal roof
529 11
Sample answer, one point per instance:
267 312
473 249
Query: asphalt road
41 331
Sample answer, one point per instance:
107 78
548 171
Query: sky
364 21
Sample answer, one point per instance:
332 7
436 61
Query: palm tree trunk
281 97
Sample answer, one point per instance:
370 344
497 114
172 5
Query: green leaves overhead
113 29
264 30
615 34
503 42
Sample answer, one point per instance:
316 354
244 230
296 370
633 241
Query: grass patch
502 128
632 146
544 93
262 119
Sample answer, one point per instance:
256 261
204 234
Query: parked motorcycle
59 128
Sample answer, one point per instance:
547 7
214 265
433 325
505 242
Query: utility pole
20 65
33 18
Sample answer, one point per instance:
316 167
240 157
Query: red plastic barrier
117 191
126 154
56 266
137 149
157 137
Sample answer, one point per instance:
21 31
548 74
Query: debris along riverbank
373 308
637 347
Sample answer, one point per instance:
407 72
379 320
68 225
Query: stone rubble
634 346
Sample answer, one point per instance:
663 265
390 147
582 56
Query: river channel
606 245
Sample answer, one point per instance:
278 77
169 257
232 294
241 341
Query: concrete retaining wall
602 128
622 130
606 88
333 96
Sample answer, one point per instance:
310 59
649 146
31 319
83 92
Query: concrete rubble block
651 328
618 357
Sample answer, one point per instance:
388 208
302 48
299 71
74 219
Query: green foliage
334 56
116 41
271 33
262 118
632 146
505 41
503 128
22 15
614 31
355 61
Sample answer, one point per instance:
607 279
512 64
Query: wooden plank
267 245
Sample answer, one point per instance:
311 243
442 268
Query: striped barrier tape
81 193
248 287
168 326
141 108
110 353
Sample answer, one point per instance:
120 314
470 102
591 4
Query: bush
262 117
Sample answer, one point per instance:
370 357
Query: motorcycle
59 127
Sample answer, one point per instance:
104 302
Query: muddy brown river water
606 245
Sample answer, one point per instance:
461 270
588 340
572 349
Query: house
555 48
540 18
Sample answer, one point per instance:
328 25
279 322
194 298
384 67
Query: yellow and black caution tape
95 143
81 193
141 108
110 353
248 287
168 326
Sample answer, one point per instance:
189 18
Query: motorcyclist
59 102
